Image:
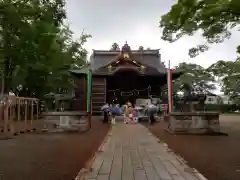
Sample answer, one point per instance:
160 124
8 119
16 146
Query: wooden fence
18 115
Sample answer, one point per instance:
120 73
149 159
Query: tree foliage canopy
228 75
115 47
196 76
36 48
140 48
214 19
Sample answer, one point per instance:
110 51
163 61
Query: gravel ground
49 156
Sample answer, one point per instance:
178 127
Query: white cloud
137 23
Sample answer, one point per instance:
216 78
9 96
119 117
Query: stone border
87 168
195 172
184 162
197 133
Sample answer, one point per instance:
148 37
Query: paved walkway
132 152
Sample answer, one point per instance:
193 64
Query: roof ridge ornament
126 47
126 51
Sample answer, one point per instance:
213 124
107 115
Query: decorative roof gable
151 58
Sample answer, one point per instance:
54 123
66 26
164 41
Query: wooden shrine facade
121 76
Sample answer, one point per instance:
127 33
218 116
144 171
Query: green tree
115 47
228 76
54 76
196 76
213 18
36 49
141 48
26 29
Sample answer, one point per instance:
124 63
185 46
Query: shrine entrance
127 85
123 75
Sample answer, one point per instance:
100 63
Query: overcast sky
137 23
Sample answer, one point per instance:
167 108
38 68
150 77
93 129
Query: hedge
224 108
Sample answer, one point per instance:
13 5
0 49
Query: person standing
129 110
113 120
125 113
113 112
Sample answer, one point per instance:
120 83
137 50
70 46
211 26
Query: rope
132 92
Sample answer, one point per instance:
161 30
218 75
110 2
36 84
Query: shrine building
121 75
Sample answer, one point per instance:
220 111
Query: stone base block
194 122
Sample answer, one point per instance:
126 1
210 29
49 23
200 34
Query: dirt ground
216 157
49 156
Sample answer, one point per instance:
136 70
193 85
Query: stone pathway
131 152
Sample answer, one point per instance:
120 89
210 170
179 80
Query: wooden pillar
37 108
105 87
32 108
85 94
25 114
5 111
2 113
11 114
19 109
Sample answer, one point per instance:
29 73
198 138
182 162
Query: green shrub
223 108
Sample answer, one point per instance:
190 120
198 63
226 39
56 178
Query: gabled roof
150 58
100 59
